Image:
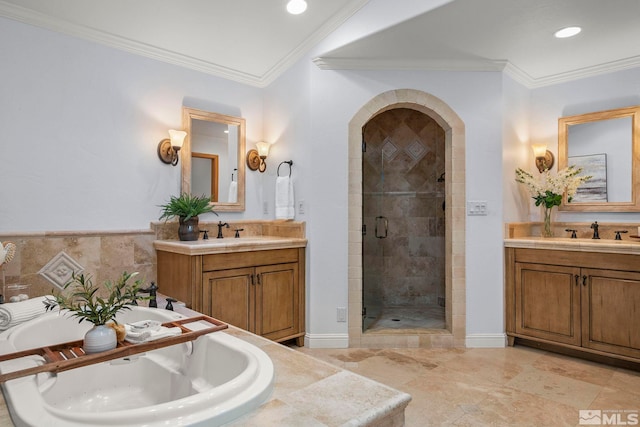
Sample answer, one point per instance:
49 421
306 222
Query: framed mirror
212 158
606 145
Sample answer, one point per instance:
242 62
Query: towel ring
290 163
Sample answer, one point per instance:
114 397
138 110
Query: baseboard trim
486 341
326 340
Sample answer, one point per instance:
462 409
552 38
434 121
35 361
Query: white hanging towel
233 192
284 198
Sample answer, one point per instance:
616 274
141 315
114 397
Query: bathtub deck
310 392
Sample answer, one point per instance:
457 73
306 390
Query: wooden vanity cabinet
584 301
260 291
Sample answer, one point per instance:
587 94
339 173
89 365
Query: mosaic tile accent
416 150
59 270
389 149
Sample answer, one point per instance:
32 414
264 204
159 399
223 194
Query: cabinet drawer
623 262
248 259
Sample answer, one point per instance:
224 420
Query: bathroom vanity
256 283
577 295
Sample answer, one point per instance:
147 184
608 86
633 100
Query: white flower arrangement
7 252
548 189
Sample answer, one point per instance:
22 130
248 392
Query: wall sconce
168 148
256 158
544 157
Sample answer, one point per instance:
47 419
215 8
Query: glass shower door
375 230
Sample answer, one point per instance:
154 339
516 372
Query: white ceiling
254 41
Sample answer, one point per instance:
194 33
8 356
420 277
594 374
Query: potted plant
187 208
81 298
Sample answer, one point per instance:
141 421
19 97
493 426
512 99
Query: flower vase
99 338
547 228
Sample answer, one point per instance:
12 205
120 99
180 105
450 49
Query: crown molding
328 63
508 68
31 17
336 21
519 75
596 70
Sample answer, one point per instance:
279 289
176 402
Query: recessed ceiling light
567 32
296 7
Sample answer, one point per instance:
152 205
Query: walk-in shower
403 243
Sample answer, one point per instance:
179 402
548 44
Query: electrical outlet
477 208
301 207
265 208
341 314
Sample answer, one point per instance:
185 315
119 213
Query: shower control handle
382 225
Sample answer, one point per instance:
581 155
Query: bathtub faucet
151 290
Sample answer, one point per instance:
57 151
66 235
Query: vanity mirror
212 158
607 145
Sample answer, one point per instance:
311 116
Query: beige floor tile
514 386
577 369
556 388
624 379
615 398
509 407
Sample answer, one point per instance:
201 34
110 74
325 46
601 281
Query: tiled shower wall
403 180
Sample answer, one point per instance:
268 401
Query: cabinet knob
584 280
577 278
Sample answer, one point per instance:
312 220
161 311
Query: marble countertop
311 392
627 246
229 244
308 391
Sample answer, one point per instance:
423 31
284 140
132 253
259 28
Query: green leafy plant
186 206
81 298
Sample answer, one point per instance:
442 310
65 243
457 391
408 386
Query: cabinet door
277 297
228 296
548 302
611 311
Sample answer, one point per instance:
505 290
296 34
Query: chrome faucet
595 230
220 225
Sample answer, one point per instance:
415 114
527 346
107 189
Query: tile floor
514 386
404 317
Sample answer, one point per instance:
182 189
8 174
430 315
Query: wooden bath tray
69 355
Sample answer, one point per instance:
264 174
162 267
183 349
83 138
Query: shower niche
403 243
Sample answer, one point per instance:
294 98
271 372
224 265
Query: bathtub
207 382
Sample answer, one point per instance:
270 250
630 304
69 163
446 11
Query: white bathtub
210 382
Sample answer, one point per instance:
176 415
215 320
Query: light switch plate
477 208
